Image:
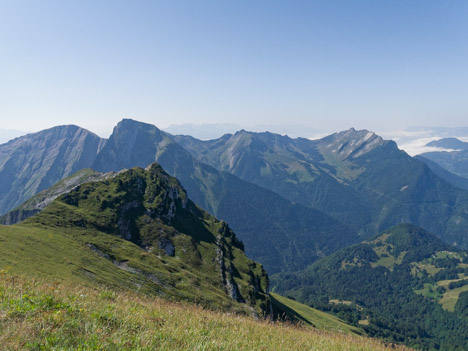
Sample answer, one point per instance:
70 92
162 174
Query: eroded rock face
167 245
151 209
351 143
17 216
226 273
172 194
125 220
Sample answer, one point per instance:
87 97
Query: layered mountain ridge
290 200
294 204
280 234
353 176
41 200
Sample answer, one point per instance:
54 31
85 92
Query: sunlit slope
50 316
296 311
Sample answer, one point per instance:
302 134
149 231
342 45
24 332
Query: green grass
428 267
450 297
45 197
39 315
65 255
448 254
385 252
430 291
386 259
344 169
312 316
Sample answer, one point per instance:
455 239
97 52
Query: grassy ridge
312 316
138 231
35 315
41 200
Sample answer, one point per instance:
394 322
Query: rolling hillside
121 263
41 200
405 285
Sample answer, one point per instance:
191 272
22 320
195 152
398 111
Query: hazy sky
327 64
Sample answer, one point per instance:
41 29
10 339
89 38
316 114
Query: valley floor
39 315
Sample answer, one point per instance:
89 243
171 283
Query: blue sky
325 64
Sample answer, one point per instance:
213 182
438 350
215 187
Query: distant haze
7 135
413 140
214 131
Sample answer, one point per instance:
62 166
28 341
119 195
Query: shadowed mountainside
34 162
353 176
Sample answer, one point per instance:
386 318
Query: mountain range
282 234
353 176
103 211
35 162
291 201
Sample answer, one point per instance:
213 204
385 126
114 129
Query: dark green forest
394 286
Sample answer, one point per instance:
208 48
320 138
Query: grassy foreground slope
87 306
59 316
299 312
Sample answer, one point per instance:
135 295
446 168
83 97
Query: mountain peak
243 132
351 143
57 131
362 134
58 152
449 143
132 143
131 123
410 237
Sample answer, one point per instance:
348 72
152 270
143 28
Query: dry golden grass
36 315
